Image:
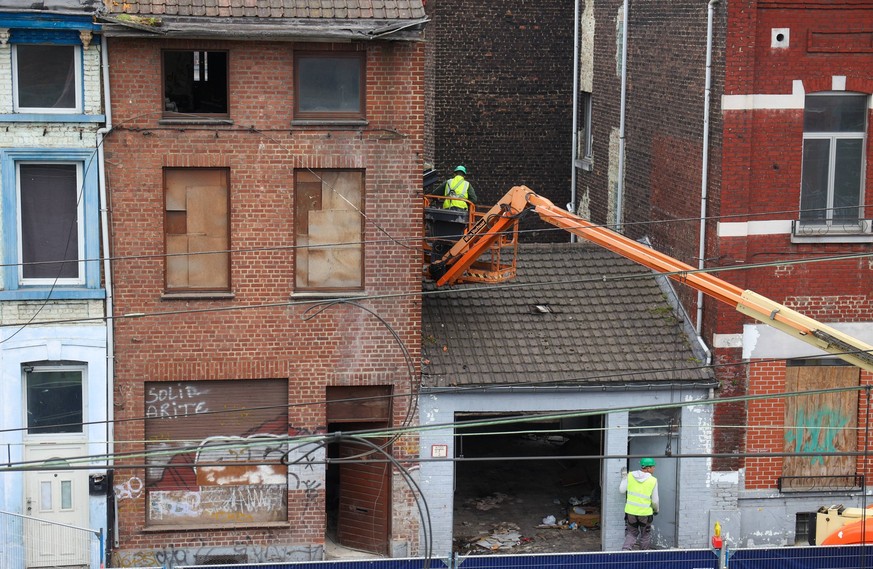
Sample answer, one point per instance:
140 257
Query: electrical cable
417 429
572 384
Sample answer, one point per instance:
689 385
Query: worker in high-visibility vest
458 187
641 506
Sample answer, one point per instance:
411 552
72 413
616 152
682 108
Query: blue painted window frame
58 31
13 289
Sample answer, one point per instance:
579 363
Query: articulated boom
453 266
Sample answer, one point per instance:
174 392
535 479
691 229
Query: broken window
197 227
329 229
46 78
195 83
329 85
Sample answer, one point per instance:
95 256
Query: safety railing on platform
27 542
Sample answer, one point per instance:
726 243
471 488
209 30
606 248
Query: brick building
499 97
263 160
784 179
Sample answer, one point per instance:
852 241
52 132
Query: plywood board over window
329 230
214 452
197 230
823 422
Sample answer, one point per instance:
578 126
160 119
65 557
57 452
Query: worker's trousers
637 532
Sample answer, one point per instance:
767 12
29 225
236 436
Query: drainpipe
704 174
619 193
104 237
575 144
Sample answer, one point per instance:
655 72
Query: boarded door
821 422
364 489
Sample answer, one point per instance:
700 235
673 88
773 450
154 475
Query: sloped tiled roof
330 20
592 331
292 9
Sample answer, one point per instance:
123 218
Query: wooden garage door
364 500
364 515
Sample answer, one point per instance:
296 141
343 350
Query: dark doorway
511 477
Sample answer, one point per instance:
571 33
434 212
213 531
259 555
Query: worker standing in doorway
642 504
459 189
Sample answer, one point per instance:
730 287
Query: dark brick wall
502 95
257 333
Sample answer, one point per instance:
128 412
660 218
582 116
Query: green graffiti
816 431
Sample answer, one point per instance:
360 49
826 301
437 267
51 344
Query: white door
54 493
58 497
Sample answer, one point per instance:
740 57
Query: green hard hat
647 462
461 169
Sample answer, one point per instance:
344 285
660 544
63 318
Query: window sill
586 164
172 120
215 527
50 117
822 233
58 293
314 295
198 296
330 122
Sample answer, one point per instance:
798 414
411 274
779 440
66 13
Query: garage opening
527 487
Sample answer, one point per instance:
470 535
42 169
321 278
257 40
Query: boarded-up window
220 475
329 230
824 422
196 223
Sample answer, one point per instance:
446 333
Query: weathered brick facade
263 330
502 92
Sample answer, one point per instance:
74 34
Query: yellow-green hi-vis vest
639 496
457 187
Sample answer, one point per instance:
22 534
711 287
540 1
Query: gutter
619 192
575 136
107 264
704 174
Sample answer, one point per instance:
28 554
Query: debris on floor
488 502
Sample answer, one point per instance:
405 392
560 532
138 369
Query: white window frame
833 137
49 367
80 227
77 67
584 151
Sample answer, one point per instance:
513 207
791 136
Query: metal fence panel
26 541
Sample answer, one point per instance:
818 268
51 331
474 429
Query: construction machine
468 246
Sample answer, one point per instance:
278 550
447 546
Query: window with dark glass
329 86
195 82
45 78
54 401
834 127
49 222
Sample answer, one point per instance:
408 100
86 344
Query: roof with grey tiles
293 9
576 314
292 20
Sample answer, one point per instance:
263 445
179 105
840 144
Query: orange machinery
481 247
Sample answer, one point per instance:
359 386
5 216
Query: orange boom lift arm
486 233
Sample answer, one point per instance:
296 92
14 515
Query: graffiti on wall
214 451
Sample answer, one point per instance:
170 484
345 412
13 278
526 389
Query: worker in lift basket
642 504
459 188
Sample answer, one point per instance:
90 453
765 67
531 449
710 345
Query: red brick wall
241 338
